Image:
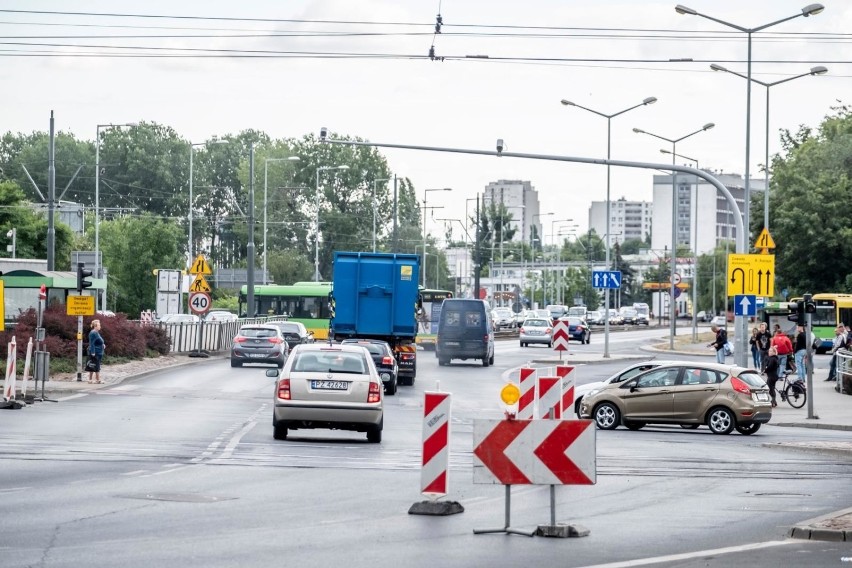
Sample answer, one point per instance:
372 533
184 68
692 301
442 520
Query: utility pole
51 197
477 258
250 311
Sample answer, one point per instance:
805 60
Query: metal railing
214 335
844 363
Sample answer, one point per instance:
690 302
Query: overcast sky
602 54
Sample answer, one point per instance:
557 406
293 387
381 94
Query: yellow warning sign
200 266
751 274
199 285
80 306
764 241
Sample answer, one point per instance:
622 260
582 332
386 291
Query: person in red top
784 347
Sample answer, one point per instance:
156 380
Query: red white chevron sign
534 452
560 336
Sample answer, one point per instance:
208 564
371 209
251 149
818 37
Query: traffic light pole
82 282
809 354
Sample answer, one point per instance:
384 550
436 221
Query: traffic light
799 316
82 277
810 306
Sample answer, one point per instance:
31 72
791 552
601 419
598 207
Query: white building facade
521 201
628 219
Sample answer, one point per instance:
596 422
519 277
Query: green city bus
428 315
305 302
831 309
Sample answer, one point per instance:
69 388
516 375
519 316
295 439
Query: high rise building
521 201
628 219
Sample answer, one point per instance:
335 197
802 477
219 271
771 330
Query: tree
132 248
810 207
31 228
289 266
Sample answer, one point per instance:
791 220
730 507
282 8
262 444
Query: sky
606 55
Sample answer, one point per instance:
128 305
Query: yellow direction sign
199 285
200 266
752 274
764 241
80 306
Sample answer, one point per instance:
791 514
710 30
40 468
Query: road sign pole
79 349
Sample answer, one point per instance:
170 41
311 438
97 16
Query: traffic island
436 508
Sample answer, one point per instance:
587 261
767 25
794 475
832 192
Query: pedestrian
96 352
801 350
719 342
772 368
836 345
755 349
783 347
763 341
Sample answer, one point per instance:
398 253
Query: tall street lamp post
375 181
809 10
557 279
694 248
532 251
98 198
316 219
425 193
818 70
266 203
466 240
609 117
192 146
673 142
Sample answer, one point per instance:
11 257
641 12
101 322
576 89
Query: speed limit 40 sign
199 302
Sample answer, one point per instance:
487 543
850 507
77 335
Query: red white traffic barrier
9 391
436 437
560 336
27 361
564 373
526 404
549 397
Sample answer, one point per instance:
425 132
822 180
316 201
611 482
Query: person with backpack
719 342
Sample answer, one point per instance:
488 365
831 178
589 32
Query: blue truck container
375 296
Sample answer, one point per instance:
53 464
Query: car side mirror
272 373
633 388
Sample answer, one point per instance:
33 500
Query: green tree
810 207
132 248
289 266
31 228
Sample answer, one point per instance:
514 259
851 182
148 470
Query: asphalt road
180 468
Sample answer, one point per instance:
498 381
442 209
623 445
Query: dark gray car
294 332
259 343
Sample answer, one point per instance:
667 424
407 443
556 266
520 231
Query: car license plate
257 354
452 344
330 385
761 397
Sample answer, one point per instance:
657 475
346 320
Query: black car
383 358
294 332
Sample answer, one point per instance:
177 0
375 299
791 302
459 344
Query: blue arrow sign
745 305
606 279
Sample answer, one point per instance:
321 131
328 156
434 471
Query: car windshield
331 362
257 332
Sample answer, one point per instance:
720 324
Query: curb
816 529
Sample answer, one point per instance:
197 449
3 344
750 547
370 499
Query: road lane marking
691 555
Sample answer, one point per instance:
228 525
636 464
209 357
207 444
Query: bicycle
795 392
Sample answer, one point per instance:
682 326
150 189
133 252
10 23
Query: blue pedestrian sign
745 305
606 279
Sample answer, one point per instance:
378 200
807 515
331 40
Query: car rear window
536 323
752 379
289 327
257 332
373 348
468 319
333 362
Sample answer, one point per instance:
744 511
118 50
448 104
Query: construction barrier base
11 404
562 531
197 353
436 508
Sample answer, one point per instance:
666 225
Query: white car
220 315
719 321
622 375
180 318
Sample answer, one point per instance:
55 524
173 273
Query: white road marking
691 555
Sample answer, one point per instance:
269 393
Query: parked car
332 387
220 315
503 318
294 332
627 373
703 316
536 330
724 397
578 329
719 321
383 359
180 318
259 343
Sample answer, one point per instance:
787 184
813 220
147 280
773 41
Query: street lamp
192 146
425 193
708 126
557 273
266 201
809 10
98 197
375 181
532 253
818 70
695 249
609 117
316 234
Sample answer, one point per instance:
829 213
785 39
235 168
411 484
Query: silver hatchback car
536 330
334 387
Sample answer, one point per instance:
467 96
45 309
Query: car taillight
580 328
374 394
387 360
284 389
739 386
240 339
275 340
523 330
485 338
548 330
407 356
